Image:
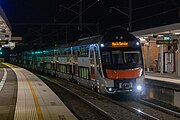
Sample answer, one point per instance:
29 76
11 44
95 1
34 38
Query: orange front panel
123 74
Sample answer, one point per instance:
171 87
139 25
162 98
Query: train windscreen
117 59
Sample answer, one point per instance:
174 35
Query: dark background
43 22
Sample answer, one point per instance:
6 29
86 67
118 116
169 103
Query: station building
160 46
5 28
5 35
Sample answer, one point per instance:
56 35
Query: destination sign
119 44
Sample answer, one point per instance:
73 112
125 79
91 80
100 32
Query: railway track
82 108
105 106
160 108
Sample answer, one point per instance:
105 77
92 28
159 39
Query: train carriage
108 63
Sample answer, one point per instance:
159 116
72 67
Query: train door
92 63
94 66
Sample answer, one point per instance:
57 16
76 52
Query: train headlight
102 45
140 83
110 89
139 87
137 43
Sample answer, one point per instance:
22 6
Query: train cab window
132 58
106 58
117 58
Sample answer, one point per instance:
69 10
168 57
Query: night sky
38 20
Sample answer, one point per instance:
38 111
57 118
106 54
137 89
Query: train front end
122 64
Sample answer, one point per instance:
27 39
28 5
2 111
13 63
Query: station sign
3 42
16 39
166 38
161 42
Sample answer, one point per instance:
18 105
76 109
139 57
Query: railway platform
169 80
165 75
24 96
163 87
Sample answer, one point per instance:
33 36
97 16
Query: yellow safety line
39 112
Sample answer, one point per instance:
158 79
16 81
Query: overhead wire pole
130 15
70 22
80 15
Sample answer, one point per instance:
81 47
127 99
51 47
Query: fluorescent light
177 33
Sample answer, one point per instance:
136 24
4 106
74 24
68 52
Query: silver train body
109 64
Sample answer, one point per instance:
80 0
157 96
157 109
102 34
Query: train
109 63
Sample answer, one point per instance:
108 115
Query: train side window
63 68
106 58
84 50
83 72
87 73
79 71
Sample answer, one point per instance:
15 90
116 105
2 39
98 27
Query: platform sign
166 38
161 42
16 39
167 42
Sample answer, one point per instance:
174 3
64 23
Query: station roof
170 30
5 27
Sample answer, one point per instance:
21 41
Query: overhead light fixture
160 35
142 39
178 33
145 37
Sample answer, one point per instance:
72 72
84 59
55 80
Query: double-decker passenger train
108 63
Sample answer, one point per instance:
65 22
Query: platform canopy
5 31
5 28
172 30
